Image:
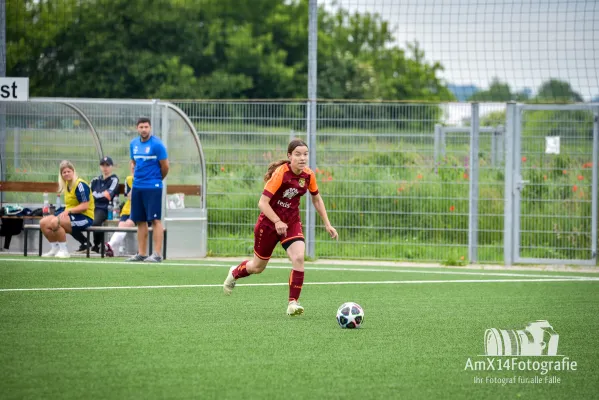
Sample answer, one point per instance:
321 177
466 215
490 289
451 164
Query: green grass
196 343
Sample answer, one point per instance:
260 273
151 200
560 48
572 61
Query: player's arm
264 206
83 196
114 187
271 187
162 159
322 211
131 156
97 195
164 167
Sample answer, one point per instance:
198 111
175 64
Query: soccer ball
350 315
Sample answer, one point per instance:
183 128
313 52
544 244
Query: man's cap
106 161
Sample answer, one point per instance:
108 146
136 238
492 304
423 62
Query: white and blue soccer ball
350 315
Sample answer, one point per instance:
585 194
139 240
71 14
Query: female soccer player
112 247
78 213
279 221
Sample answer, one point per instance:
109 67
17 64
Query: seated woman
77 216
112 247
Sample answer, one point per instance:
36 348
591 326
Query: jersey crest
301 182
290 193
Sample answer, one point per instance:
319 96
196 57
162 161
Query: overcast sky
523 42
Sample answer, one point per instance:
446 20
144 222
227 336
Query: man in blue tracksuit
150 158
104 189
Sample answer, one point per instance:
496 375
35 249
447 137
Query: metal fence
239 140
553 156
390 189
386 192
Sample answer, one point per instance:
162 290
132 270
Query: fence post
500 144
473 203
508 210
3 135
436 145
164 130
594 184
442 140
154 118
494 148
311 122
17 147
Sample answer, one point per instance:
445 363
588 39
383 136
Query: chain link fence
387 191
394 187
557 183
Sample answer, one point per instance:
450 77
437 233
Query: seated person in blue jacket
113 246
77 216
104 189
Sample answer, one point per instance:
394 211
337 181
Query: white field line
305 283
309 268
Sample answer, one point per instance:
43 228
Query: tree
557 91
209 49
358 60
32 30
574 124
498 92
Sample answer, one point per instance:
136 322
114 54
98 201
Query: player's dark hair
276 164
144 120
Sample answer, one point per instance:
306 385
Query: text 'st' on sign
14 89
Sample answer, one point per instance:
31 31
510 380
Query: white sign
551 144
14 89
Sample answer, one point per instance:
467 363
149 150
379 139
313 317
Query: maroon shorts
266 238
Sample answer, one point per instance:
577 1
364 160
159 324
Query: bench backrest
52 187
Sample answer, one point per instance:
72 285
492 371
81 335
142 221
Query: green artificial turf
194 342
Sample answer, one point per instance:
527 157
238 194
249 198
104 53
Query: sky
522 42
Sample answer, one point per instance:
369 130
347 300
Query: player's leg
142 239
250 267
49 225
100 215
116 240
246 268
154 211
83 244
265 241
295 250
55 230
139 217
294 245
80 237
75 225
157 240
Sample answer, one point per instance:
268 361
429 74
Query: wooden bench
30 227
52 187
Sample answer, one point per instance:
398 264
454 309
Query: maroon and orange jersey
285 189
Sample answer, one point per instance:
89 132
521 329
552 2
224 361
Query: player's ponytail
274 165
61 182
